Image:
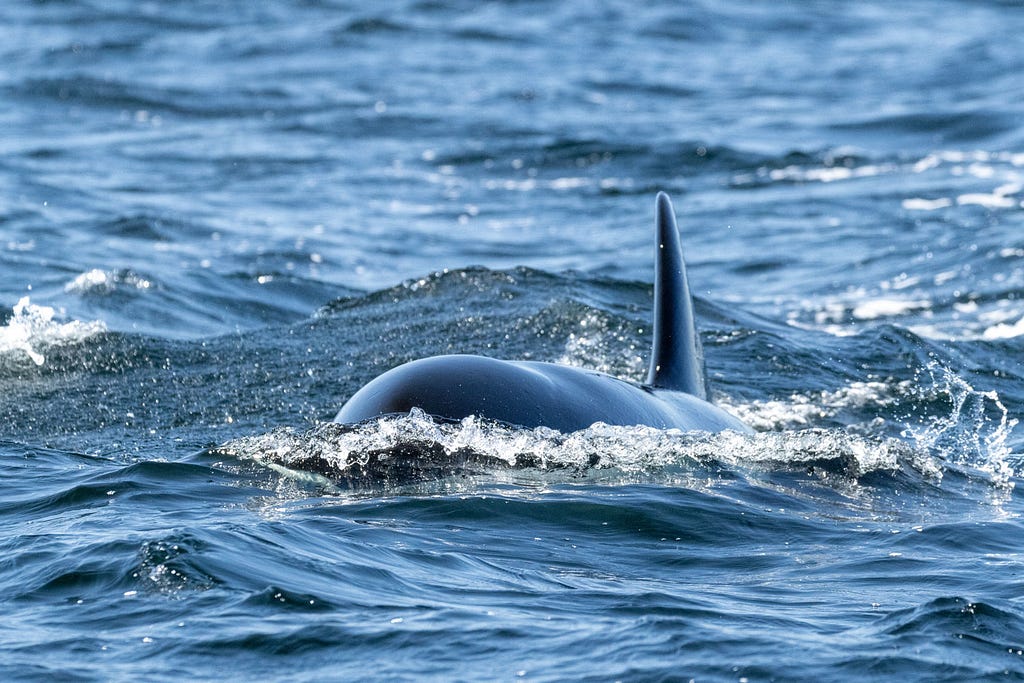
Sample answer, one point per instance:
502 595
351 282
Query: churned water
220 219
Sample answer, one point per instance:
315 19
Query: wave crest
31 329
409 448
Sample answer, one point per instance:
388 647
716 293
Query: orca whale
535 394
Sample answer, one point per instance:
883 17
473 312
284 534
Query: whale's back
568 399
527 394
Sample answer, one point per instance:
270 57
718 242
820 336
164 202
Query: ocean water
220 219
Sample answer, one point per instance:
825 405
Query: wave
942 423
97 282
396 451
989 636
401 449
32 329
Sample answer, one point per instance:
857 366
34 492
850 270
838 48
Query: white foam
995 167
830 174
972 436
991 201
32 328
974 433
569 183
885 308
839 316
1004 331
918 204
968 319
628 451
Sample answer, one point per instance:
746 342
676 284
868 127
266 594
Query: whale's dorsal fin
677 359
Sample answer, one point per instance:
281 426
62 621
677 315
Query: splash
31 329
945 420
976 430
409 448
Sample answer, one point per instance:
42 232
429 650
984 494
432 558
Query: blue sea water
220 219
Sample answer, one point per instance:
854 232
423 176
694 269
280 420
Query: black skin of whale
533 394
529 394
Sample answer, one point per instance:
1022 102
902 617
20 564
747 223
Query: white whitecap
32 328
918 204
884 308
1004 330
990 201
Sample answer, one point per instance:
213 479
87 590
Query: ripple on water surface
216 225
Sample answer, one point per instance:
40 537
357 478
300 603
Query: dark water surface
219 219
